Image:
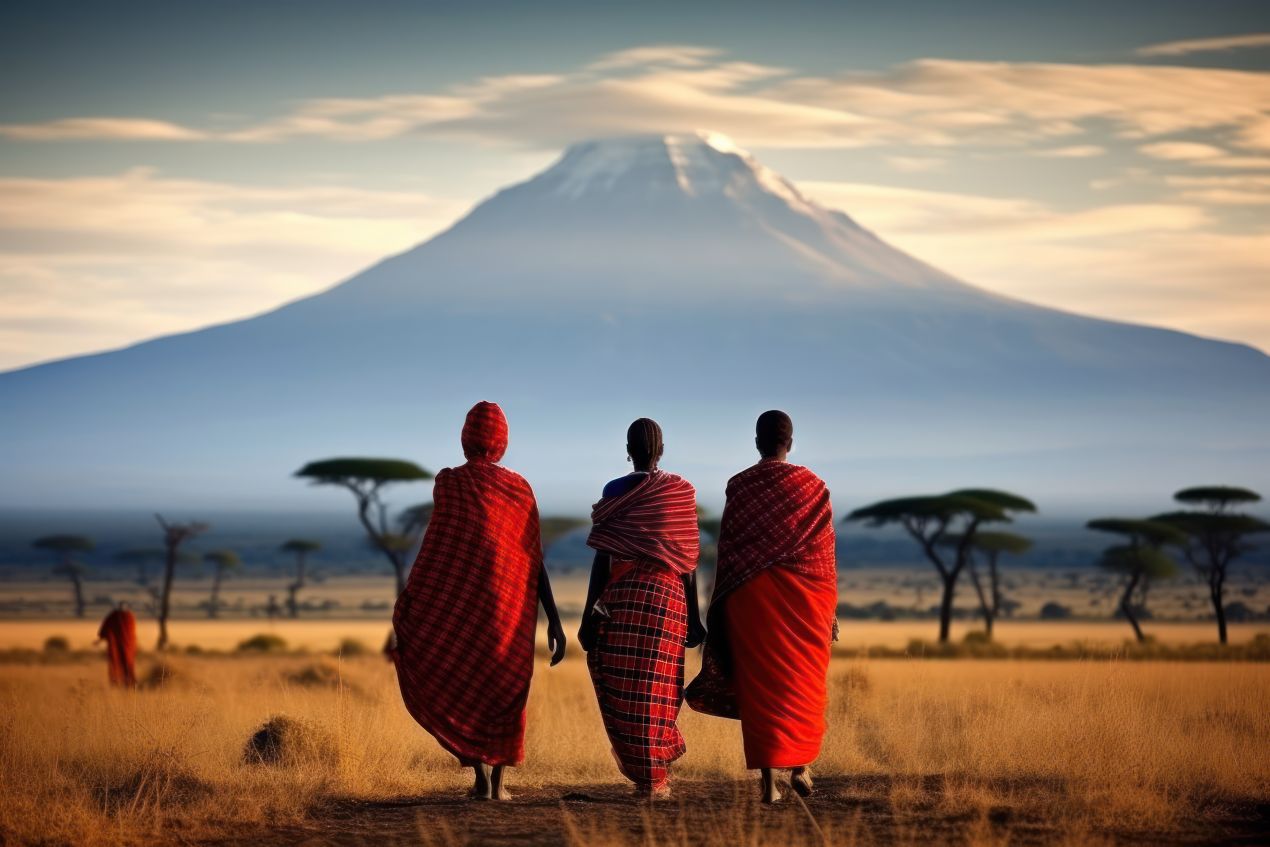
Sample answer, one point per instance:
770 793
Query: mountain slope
672 276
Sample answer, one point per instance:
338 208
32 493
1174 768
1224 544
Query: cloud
914 164
158 255
1182 151
1157 263
1203 155
929 103
1206 45
681 55
1077 151
102 129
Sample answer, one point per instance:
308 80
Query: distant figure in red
641 610
119 631
771 618
466 622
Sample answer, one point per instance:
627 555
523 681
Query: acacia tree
1140 561
988 547
223 562
931 519
1216 536
174 535
366 479
65 547
300 548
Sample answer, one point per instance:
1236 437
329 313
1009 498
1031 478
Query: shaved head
773 433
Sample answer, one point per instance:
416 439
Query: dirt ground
842 811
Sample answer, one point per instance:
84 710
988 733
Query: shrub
1052 611
263 643
57 644
287 742
351 647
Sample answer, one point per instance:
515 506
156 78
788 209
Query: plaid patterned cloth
637 668
655 521
465 623
637 664
777 514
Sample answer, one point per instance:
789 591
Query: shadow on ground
844 811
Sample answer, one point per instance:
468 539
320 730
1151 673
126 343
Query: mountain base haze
664 276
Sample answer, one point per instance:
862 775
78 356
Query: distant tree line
957 532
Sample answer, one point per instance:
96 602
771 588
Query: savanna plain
919 751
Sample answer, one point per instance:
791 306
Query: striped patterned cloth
637 664
655 521
776 515
465 623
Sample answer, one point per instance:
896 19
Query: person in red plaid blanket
466 622
772 614
641 610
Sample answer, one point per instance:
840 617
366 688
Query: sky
164 166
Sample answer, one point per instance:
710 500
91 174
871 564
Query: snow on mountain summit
700 163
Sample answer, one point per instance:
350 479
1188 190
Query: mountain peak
697 164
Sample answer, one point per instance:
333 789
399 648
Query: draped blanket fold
771 614
119 630
465 623
637 664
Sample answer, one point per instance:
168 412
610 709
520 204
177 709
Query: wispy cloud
1076 151
658 88
1156 263
103 129
1206 45
91 263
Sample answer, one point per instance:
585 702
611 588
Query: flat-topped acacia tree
174 535
300 548
1216 536
1141 560
929 519
65 547
366 479
223 563
988 547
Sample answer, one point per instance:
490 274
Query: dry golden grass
1002 752
319 634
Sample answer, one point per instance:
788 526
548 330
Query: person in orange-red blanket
466 621
119 631
771 618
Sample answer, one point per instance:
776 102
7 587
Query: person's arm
555 632
599 578
696 629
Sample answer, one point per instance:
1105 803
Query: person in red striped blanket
641 610
466 622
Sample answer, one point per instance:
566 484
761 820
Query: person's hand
696 634
588 632
556 641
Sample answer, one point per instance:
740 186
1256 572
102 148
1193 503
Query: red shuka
119 629
771 615
465 623
637 664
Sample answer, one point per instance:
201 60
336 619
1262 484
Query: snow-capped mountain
670 276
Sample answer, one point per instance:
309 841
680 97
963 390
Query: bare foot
482 788
800 780
770 794
498 788
646 792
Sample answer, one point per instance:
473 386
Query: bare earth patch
843 811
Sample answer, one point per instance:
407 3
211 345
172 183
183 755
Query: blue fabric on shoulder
621 485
